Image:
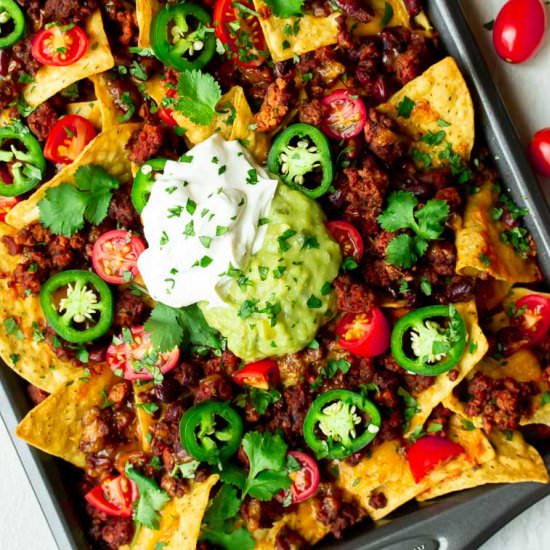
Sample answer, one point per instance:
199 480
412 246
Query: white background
526 90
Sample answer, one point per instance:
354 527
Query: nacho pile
315 175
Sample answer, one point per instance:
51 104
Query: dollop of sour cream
204 217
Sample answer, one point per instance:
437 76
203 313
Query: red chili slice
68 138
133 354
344 115
348 238
240 32
114 496
366 334
429 452
532 315
261 374
306 480
115 256
6 204
59 46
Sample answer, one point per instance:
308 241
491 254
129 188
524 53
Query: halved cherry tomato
6 204
133 354
366 334
306 480
539 151
166 114
344 115
519 30
261 374
59 46
114 496
429 452
68 138
115 256
240 32
532 315
348 238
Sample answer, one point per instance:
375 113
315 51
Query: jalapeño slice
211 431
301 158
429 340
78 305
181 37
12 23
340 423
144 182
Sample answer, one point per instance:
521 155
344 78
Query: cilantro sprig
198 95
66 207
427 223
286 8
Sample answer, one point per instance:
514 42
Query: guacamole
278 303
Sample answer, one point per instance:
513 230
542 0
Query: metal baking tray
458 522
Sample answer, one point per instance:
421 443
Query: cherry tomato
344 115
115 256
68 138
6 204
429 452
305 480
133 354
348 238
166 114
114 496
261 374
59 45
539 151
532 315
519 30
240 32
366 334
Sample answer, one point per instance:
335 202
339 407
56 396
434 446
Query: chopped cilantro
313 302
411 407
11 327
405 107
388 15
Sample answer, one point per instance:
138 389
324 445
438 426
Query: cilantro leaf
239 538
99 185
399 213
164 328
151 499
199 333
432 218
62 210
286 8
198 95
223 506
405 251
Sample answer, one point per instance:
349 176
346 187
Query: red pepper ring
366 334
114 496
261 374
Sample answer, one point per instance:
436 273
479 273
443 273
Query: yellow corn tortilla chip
55 426
87 109
233 122
144 419
109 111
145 12
476 347
387 470
480 249
180 521
49 80
515 462
107 149
313 32
34 360
400 18
440 93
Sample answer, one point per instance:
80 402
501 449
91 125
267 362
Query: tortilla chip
145 420
312 33
515 462
34 360
107 149
480 249
439 94
88 109
180 521
387 470
145 12
49 80
541 414
110 113
55 425
476 348
233 122
400 18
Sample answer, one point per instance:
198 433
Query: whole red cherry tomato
519 30
366 334
429 452
539 151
